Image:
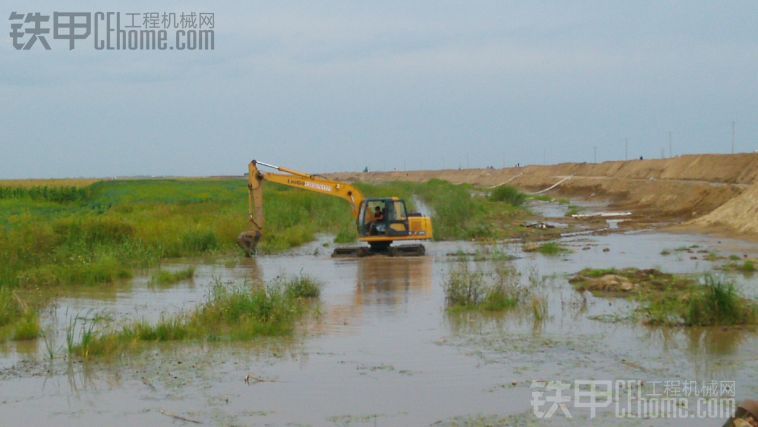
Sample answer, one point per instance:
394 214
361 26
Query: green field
101 233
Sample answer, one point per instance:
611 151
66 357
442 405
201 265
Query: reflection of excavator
380 221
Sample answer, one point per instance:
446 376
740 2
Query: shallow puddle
383 350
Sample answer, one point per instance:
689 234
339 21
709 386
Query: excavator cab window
383 217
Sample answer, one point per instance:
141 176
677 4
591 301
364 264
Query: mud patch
610 282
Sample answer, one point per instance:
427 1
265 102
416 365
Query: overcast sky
339 85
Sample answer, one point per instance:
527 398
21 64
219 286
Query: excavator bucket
248 241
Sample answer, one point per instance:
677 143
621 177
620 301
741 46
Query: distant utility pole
626 148
544 156
670 152
594 149
733 126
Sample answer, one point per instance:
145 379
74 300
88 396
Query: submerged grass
668 299
163 277
499 290
747 266
552 249
238 313
715 301
718 303
547 249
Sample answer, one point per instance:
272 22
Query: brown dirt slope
679 189
739 214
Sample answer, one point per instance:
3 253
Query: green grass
748 267
715 301
458 214
229 314
541 197
508 194
101 233
46 193
302 286
572 210
670 299
718 303
27 328
18 318
467 290
10 307
115 227
552 249
163 277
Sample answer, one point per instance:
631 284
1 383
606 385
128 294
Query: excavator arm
248 240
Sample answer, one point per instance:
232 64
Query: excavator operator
377 226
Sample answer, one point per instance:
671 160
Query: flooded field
382 349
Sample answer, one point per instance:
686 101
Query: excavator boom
248 240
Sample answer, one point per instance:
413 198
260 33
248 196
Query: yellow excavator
380 221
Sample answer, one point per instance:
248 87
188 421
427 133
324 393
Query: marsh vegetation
670 299
499 289
230 313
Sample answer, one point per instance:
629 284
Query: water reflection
390 281
388 285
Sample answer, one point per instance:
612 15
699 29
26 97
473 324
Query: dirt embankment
739 214
720 192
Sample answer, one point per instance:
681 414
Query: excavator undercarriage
396 250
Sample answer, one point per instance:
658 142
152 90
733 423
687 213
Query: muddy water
383 350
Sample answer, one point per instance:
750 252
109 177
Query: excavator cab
383 217
386 220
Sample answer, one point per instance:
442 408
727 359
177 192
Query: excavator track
392 251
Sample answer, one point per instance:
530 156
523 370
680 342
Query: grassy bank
668 299
229 314
57 235
101 233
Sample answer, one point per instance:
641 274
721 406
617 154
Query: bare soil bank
710 193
